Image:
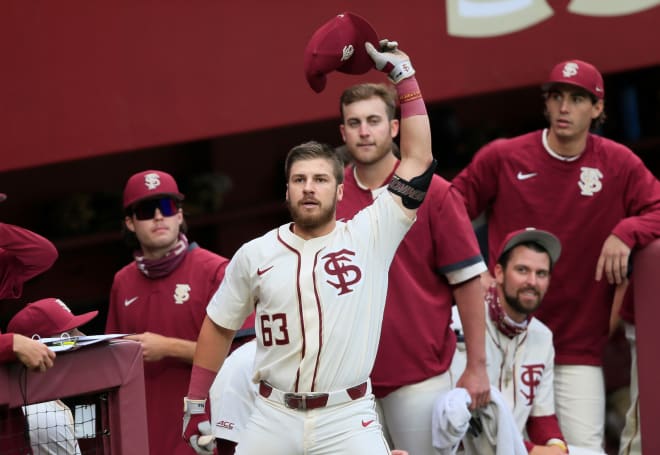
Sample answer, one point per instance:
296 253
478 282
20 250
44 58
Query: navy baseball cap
338 45
149 184
578 73
548 241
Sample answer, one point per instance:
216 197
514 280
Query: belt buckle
299 399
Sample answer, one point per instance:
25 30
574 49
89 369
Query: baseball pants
406 414
580 404
343 429
631 437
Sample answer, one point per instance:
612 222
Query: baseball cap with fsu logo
338 45
47 317
149 184
578 73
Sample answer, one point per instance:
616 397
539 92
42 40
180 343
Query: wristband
410 98
558 443
200 382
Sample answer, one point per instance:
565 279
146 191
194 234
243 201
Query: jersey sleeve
477 183
457 256
7 347
230 304
642 200
23 255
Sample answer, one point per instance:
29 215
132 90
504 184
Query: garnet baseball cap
338 45
147 184
578 73
544 238
47 317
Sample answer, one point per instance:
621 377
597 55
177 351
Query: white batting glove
196 426
391 60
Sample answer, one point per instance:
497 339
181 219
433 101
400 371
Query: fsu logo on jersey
590 181
181 293
530 377
339 265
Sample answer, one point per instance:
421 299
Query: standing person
599 199
438 262
319 288
51 423
23 255
161 298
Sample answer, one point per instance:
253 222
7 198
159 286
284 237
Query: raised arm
413 175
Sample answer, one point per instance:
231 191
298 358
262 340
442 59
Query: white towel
450 420
500 435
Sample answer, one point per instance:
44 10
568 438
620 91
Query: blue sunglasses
146 210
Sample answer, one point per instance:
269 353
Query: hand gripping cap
338 45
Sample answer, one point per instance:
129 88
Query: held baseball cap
147 184
578 73
338 45
544 238
47 317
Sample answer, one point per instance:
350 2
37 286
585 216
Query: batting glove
197 427
391 60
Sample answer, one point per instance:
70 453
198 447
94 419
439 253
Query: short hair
503 260
312 150
361 92
595 123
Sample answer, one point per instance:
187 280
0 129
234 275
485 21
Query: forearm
469 298
213 345
415 141
181 349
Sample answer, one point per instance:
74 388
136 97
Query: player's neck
311 233
567 147
373 175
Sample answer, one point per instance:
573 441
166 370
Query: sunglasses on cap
146 210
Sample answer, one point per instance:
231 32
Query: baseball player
437 262
51 423
319 288
599 199
161 297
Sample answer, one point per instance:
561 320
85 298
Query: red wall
84 78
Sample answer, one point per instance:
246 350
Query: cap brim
316 81
80 320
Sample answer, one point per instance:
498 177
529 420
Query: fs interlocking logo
152 181
347 52
590 181
531 378
181 293
339 265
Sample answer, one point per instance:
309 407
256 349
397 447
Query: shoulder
539 330
507 145
205 256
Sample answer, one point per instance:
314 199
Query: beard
311 221
517 305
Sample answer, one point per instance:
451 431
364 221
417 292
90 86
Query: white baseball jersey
522 367
319 302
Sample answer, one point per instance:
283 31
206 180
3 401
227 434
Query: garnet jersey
319 302
606 190
440 250
172 306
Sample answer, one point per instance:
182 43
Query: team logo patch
347 52
339 265
181 293
590 181
152 181
531 378
570 69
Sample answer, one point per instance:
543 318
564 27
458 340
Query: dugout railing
104 383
